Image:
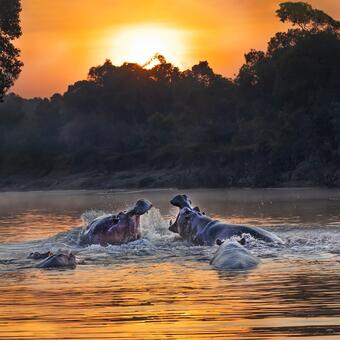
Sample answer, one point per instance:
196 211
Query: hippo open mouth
181 201
115 229
141 207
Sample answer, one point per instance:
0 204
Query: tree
248 74
10 65
292 89
306 17
306 21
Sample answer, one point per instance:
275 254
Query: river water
161 287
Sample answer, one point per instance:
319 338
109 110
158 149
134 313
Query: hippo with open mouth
200 229
115 229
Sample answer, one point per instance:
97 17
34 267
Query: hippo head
116 229
59 260
130 219
37 256
186 217
125 227
141 207
181 201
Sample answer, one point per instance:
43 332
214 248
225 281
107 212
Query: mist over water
161 286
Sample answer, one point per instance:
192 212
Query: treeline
278 121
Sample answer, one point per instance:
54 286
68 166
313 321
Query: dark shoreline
141 179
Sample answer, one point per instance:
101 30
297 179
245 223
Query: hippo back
233 256
216 230
99 225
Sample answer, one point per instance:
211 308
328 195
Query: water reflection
41 214
160 289
176 300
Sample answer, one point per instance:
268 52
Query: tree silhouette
277 121
10 65
306 17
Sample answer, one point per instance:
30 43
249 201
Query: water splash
89 215
154 227
159 244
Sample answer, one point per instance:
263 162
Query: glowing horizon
62 40
141 42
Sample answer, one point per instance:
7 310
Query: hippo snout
181 201
142 206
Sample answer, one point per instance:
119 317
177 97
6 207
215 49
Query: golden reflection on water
168 297
34 224
170 301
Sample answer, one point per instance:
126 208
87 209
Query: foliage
10 65
278 119
306 17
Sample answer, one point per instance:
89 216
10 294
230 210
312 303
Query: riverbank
207 177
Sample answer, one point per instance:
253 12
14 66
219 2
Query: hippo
233 256
196 227
38 256
115 229
58 261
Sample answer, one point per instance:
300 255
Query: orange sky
62 39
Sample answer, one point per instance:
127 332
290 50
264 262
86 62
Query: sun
139 43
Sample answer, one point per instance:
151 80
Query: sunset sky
63 39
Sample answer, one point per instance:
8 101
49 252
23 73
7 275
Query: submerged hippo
38 256
58 261
115 229
233 256
200 229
